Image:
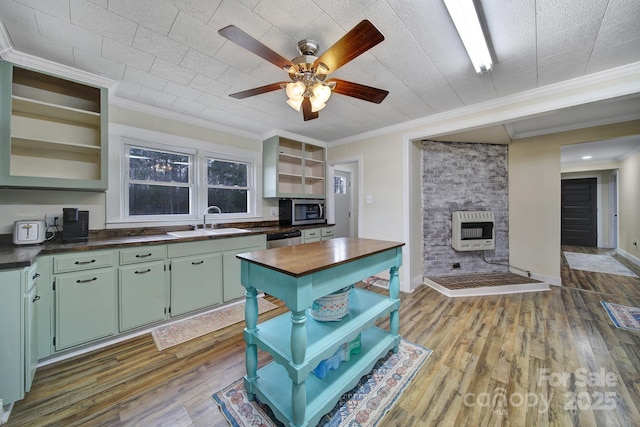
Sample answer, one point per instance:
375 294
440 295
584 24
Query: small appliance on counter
75 225
29 232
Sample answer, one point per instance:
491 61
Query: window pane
150 165
158 200
339 185
229 174
228 200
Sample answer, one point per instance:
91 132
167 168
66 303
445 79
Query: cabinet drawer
327 232
142 254
312 233
82 261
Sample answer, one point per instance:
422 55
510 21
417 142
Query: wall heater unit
473 231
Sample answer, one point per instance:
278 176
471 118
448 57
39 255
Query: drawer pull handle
143 255
86 280
85 262
36 298
35 276
312 234
144 271
197 262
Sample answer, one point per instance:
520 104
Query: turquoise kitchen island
298 275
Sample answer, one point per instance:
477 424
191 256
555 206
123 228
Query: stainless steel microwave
301 211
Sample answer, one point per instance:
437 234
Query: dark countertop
13 256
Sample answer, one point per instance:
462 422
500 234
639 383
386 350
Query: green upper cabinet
293 169
53 131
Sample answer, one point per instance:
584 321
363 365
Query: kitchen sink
207 232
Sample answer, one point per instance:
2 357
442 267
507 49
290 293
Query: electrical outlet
456 265
51 219
274 211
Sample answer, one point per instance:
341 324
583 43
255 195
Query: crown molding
294 136
8 53
612 83
172 115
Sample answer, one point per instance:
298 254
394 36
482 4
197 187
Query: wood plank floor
533 359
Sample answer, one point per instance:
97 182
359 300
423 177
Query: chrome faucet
208 211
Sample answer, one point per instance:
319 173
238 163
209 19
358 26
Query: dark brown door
579 212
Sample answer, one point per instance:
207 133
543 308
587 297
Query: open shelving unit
293 169
54 131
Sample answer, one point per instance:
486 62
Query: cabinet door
142 294
85 307
196 282
11 336
233 288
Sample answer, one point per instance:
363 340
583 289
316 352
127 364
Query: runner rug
597 263
365 405
194 327
623 316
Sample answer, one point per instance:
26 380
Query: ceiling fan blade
356 90
257 90
306 110
360 39
244 40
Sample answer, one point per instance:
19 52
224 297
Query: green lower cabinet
142 295
233 289
196 282
86 307
11 336
311 235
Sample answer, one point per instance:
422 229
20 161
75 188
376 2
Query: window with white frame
162 182
158 182
229 184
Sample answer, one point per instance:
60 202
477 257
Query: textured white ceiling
168 54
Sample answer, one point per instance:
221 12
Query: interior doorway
579 212
342 200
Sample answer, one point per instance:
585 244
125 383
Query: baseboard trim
627 255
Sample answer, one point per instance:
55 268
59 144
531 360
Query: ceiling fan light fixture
295 90
316 104
295 103
465 18
321 92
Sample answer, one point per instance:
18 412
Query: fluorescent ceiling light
586 157
465 17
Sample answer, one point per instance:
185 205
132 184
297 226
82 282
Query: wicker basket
332 307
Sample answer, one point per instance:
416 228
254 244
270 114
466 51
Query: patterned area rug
623 316
193 327
365 405
597 263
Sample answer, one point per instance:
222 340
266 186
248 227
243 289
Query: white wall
17 204
534 208
629 207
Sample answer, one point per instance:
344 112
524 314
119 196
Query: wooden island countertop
300 260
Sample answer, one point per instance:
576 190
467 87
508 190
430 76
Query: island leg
298 354
251 356
394 293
